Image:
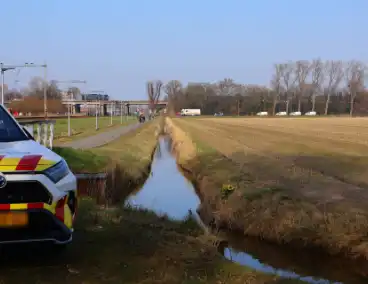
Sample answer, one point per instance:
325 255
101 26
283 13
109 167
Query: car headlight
58 171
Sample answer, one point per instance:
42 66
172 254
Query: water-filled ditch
167 191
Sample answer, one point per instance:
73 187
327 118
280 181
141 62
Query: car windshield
9 130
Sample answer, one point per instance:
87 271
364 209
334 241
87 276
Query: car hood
26 155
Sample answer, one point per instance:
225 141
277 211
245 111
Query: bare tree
154 93
335 73
173 87
36 89
354 75
12 94
226 87
288 81
317 79
276 86
302 70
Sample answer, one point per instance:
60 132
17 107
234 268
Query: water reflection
293 262
168 192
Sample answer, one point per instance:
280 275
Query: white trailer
311 113
281 113
262 113
190 112
296 113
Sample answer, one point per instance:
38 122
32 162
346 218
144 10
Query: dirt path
101 138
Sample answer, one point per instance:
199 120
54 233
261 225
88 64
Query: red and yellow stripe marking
60 209
25 163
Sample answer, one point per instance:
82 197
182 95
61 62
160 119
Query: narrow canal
168 192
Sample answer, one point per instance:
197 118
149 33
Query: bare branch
302 71
354 76
277 87
317 79
173 87
288 80
226 87
318 75
154 92
335 73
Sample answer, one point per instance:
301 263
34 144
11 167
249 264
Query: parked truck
190 112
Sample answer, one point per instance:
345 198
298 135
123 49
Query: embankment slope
248 185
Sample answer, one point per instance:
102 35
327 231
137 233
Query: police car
38 192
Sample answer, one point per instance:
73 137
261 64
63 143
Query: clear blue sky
117 45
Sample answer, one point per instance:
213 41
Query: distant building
65 96
95 97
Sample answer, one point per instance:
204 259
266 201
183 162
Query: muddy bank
126 165
186 157
115 184
265 213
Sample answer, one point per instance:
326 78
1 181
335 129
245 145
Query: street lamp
98 93
121 112
4 68
69 103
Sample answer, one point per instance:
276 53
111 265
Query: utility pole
69 103
111 113
45 92
4 68
98 104
96 118
121 112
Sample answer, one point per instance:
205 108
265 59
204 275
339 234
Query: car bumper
43 226
50 220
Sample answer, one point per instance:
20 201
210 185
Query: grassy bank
287 181
126 161
132 151
128 246
86 126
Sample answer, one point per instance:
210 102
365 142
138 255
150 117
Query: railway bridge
105 107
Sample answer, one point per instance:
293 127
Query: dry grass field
295 180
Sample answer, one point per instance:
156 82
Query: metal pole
45 93
121 113
111 114
96 118
69 129
4 68
2 83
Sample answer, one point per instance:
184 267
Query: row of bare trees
327 87
304 78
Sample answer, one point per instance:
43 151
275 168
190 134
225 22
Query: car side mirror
29 135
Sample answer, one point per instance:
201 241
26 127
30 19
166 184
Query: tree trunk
299 104
313 102
327 103
287 106
274 107
352 97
